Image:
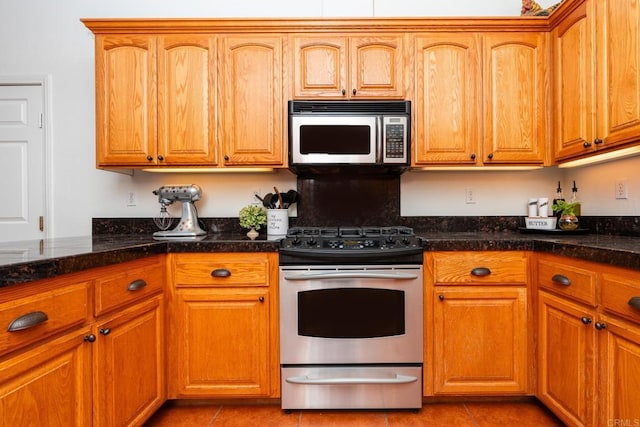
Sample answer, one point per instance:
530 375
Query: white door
22 166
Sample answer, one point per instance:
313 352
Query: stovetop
347 244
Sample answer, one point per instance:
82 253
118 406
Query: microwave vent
354 107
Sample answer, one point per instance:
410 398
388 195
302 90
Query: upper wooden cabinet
447 109
597 78
481 99
126 100
252 105
348 67
161 102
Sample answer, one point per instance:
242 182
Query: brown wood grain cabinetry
252 107
49 384
588 341
349 67
478 342
596 68
481 99
223 325
71 368
162 101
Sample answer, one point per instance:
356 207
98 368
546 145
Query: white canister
533 207
543 207
277 222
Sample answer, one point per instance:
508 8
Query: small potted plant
568 219
252 217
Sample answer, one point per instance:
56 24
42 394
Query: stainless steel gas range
351 318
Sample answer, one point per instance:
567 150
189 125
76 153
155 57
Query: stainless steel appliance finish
349 133
188 226
351 335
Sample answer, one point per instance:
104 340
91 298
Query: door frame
47 186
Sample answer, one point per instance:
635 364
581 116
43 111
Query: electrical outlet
253 199
621 189
469 196
132 198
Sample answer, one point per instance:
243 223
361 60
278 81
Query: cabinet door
618 48
186 100
129 365
251 102
447 101
377 66
49 385
480 340
566 359
319 67
221 343
575 83
125 100
620 372
515 98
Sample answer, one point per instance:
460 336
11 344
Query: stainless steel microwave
349 134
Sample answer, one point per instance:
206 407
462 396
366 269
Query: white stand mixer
187 195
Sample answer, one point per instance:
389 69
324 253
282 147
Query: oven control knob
296 241
391 240
406 241
312 242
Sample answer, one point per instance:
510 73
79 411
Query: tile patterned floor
471 414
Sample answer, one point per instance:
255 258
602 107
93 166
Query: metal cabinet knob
473 156
160 157
441 297
490 156
586 144
105 331
344 92
598 141
561 279
90 338
149 158
600 326
586 320
261 299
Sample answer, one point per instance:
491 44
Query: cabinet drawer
223 269
468 268
567 277
621 294
128 282
43 314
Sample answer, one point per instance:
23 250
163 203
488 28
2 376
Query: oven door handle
398 379
351 275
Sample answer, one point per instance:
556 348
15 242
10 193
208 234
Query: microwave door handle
351 275
379 139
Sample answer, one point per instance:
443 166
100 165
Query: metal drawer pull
137 284
398 379
220 272
27 321
480 271
634 302
561 280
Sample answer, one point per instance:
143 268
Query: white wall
47 38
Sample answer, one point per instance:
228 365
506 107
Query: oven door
334 140
351 314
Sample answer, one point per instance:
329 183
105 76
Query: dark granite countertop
31 260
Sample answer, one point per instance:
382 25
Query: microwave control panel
395 139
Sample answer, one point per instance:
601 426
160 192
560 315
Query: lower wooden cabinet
49 385
477 339
129 360
567 374
223 325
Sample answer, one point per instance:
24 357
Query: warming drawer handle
398 379
136 285
561 279
355 275
220 272
634 302
27 321
481 271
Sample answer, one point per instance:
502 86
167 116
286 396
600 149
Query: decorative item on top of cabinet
223 325
597 85
349 66
476 334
